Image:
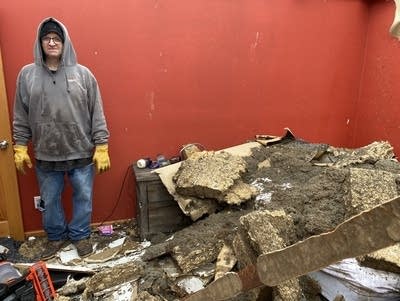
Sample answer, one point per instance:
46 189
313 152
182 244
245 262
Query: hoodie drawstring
66 81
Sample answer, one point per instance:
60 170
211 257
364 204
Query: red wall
378 109
215 72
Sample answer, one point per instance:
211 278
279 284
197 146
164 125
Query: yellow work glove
101 158
21 156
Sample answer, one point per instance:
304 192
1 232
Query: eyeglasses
56 40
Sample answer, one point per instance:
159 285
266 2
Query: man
59 108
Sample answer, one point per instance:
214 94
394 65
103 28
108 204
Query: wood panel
4 228
10 209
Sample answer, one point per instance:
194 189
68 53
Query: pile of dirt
302 189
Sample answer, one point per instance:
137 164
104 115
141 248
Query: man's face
52 45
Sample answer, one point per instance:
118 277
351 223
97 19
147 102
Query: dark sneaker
52 247
84 247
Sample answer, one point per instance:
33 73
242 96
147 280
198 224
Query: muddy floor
308 181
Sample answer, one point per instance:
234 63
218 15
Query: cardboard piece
364 233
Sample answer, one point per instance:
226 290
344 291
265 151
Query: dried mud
295 177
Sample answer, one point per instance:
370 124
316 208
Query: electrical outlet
37 201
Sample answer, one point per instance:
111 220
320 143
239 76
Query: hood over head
50 24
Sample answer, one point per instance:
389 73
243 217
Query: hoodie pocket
60 140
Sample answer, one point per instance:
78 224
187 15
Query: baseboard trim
93 225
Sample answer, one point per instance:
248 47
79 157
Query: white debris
357 283
4 250
264 197
117 242
286 186
190 284
123 292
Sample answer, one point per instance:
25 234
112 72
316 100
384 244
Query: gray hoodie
61 112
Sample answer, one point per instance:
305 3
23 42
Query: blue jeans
51 185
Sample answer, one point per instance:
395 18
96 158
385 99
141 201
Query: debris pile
243 205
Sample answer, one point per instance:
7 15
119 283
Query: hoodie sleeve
100 132
21 129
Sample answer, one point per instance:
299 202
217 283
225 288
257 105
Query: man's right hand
101 158
20 157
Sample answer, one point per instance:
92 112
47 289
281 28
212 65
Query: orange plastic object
40 277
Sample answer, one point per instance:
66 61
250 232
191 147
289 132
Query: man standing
59 108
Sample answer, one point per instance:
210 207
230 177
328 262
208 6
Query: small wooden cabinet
157 211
